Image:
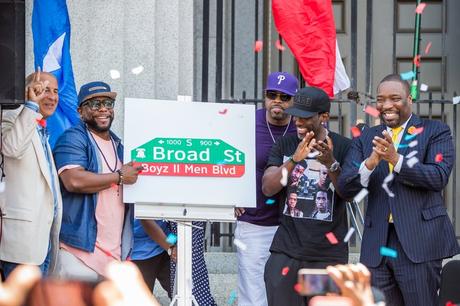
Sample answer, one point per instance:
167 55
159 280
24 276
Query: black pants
154 268
280 289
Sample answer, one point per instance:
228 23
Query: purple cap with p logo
283 82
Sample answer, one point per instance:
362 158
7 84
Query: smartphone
61 292
316 282
330 301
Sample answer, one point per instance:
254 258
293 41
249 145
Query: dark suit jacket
420 218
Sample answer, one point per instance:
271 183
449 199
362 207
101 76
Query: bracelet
292 160
120 177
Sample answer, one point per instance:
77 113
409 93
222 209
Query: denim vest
79 226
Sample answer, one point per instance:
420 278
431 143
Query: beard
92 124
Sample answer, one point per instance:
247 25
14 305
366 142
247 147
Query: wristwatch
334 167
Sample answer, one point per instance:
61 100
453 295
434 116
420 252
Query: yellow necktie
394 137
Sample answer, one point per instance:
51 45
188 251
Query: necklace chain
103 156
270 131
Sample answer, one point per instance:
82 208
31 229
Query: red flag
308 28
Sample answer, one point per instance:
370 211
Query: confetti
356 164
137 70
385 187
331 237
284 176
456 99
407 138
384 251
407 75
232 297
412 161
371 111
223 112
419 9
355 131
171 239
298 287
348 235
240 244
313 154
361 195
423 87
414 131
258 46
428 47
417 60
270 202
279 46
41 122
438 158
413 143
114 74
411 154
285 271
114 186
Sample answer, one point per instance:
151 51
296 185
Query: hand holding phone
316 282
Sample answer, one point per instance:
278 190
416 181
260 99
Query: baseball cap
308 102
95 89
283 82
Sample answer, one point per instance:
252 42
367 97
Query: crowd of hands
125 286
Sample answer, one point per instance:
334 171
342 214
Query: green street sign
189 157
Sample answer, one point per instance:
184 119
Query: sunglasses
95 104
272 95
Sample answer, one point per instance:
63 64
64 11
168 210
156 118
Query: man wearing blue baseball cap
97 226
256 226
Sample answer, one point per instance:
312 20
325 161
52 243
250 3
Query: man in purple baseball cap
256 226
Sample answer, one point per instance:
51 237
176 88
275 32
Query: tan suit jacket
27 204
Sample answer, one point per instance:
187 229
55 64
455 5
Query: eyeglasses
272 95
95 104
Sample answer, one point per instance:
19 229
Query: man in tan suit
31 204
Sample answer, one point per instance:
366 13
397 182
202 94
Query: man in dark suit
400 166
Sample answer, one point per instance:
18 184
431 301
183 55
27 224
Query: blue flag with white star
51 34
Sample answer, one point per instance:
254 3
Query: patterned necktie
394 137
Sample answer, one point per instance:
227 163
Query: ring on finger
385 149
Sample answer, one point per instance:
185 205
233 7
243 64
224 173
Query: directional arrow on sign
217 143
161 141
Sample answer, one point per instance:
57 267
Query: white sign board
198 158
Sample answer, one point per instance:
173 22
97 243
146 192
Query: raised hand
304 148
325 149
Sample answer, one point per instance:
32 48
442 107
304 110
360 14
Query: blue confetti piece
409 137
407 75
232 297
402 146
270 202
356 164
384 251
171 239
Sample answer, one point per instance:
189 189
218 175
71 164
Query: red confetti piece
331 237
258 46
438 158
285 271
298 287
371 111
417 60
428 47
419 9
449 303
41 122
355 131
223 112
114 186
415 131
279 46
